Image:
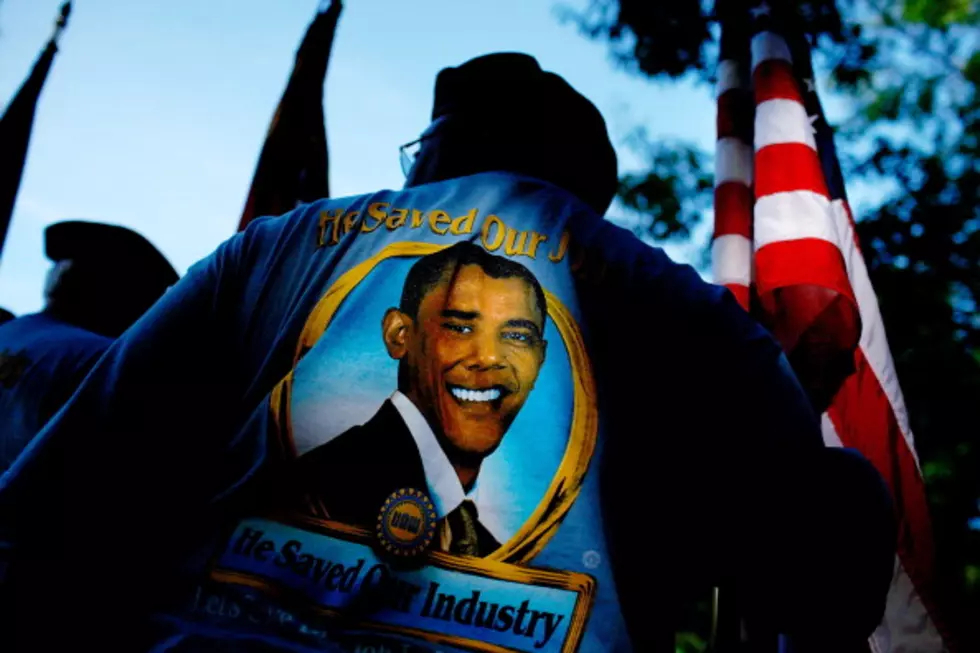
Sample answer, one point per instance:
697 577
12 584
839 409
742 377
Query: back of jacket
42 362
338 432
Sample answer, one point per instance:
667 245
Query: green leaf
927 96
940 13
972 69
972 576
937 469
886 105
673 192
688 642
976 355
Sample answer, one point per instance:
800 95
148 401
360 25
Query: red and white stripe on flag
784 234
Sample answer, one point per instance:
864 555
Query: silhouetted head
502 112
105 276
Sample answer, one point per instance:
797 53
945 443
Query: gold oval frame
567 482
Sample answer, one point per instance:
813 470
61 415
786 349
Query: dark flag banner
785 244
293 167
17 124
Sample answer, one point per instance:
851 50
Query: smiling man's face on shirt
471 355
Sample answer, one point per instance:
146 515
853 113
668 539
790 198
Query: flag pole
17 124
62 22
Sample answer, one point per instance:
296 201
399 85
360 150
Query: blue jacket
42 362
663 443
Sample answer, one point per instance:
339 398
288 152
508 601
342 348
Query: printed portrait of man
468 338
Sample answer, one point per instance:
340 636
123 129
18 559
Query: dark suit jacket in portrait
348 478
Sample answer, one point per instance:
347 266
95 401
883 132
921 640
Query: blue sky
155 111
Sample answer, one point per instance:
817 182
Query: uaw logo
406 523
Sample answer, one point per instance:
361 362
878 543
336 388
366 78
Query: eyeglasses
408 152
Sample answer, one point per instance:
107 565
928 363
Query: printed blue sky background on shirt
348 374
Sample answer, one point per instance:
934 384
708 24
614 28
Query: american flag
785 244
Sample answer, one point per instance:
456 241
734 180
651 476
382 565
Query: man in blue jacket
104 277
667 444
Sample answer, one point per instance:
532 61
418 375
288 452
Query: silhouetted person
709 463
104 277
